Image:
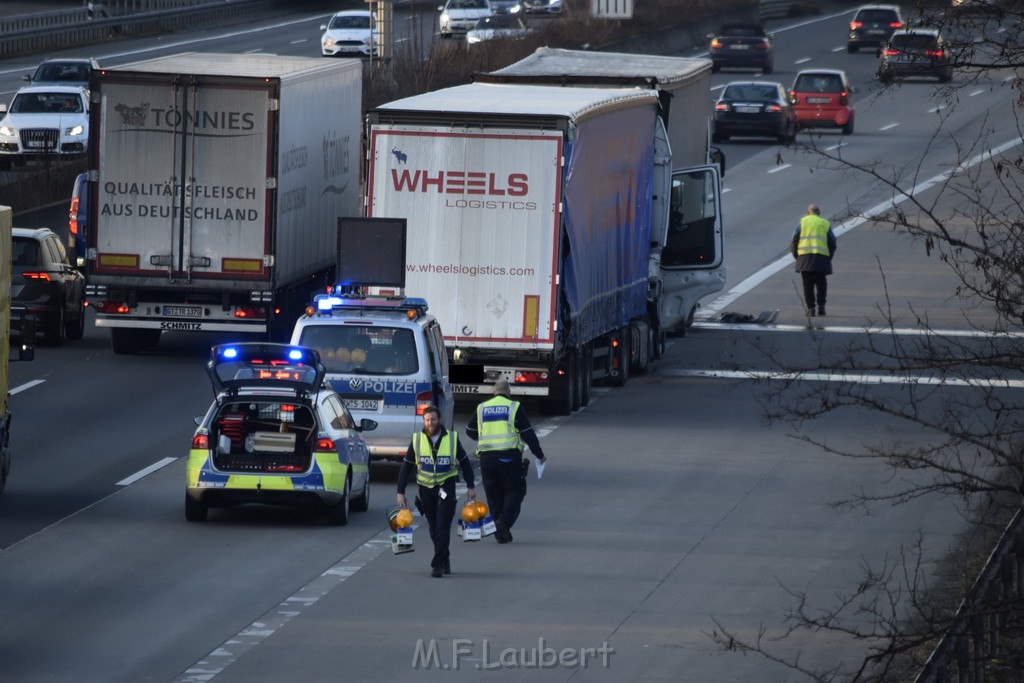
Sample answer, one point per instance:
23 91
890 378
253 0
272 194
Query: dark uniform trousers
504 485
439 513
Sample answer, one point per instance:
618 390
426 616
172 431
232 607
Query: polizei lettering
460 182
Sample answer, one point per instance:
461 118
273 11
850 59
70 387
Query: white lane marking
836 146
783 167
860 329
280 616
802 60
296 42
841 48
859 378
888 127
254 51
726 189
937 109
975 93
160 464
25 386
717 305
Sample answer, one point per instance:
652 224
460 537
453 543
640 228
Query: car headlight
327 41
8 130
445 18
473 39
75 130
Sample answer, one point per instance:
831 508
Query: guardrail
39 32
970 651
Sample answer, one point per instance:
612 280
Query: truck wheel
76 329
621 356
148 339
563 399
124 341
337 514
54 333
194 510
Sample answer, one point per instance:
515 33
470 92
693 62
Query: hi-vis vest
495 420
813 236
434 470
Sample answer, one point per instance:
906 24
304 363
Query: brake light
763 45
716 43
856 24
201 441
844 97
933 53
722 106
889 52
111 307
895 24
773 108
73 216
324 444
36 276
531 377
423 399
250 312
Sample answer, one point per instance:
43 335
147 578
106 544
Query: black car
916 52
742 46
760 108
872 25
44 283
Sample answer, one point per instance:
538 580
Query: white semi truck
539 226
214 189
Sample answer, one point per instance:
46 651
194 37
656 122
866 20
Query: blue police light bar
296 355
229 352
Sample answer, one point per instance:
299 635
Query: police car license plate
817 100
183 311
362 404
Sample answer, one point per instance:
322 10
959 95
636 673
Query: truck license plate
362 404
183 311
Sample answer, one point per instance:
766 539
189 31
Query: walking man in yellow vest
813 246
501 428
435 453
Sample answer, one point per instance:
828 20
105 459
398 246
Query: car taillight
895 24
36 276
856 24
201 441
844 97
531 377
763 45
73 217
324 444
773 108
423 399
889 52
792 96
722 106
716 43
933 53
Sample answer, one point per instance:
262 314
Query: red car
821 98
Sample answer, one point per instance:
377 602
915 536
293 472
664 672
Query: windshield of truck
363 349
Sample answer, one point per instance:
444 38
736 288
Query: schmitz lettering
181 326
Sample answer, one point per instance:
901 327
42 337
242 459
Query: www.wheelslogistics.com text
483 655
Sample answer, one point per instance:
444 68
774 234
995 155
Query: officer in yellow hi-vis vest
500 427
436 453
813 246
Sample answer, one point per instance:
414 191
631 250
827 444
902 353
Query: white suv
458 16
44 120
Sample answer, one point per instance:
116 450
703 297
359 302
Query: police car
276 434
385 357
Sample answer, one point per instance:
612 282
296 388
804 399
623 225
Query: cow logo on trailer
497 306
132 116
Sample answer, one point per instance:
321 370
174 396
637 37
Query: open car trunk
261 436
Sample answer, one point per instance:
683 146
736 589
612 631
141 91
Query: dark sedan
742 46
44 282
756 108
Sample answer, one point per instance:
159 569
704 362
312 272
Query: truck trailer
214 188
536 217
691 261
